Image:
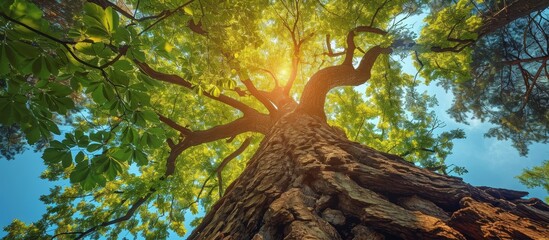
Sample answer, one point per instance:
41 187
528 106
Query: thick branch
252 123
314 94
350 50
249 123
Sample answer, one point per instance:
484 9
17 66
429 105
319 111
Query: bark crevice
308 181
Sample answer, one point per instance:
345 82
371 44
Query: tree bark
308 181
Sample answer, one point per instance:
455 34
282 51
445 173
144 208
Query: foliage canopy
151 108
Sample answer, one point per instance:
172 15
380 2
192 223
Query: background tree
169 101
499 72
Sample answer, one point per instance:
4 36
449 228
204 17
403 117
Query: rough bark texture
307 181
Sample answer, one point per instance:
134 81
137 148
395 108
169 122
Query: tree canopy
152 108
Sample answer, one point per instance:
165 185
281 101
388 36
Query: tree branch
165 14
529 90
105 4
177 80
174 125
314 94
259 95
272 75
226 160
350 50
377 11
517 61
249 123
330 52
36 31
126 217
194 138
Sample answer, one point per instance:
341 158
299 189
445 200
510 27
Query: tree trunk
308 181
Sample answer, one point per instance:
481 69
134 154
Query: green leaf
122 36
4 62
123 154
188 10
129 135
32 134
51 126
80 157
119 77
12 109
39 68
70 140
94 147
100 164
150 116
59 90
85 48
80 172
56 155
25 50
138 118
123 65
98 136
153 138
113 169
137 54
110 20
83 141
139 157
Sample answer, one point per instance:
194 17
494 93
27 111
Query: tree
168 102
536 177
499 72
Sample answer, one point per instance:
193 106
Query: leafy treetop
166 100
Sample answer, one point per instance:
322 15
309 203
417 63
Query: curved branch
330 52
259 95
350 50
314 94
277 84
